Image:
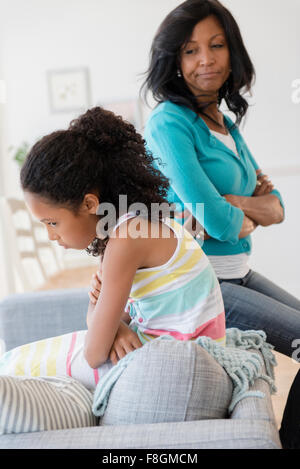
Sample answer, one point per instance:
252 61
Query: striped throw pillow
46 403
55 356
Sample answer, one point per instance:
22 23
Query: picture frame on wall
69 89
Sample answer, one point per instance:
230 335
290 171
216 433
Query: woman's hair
99 153
162 77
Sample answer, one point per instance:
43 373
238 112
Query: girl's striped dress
181 298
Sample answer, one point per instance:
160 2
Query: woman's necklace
221 128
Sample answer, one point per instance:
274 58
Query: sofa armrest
254 407
27 317
199 434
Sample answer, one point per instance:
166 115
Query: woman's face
69 230
205 59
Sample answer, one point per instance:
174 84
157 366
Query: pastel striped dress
181 298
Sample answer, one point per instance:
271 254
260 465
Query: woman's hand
235 200
95 286
192 225
248 227
94 294
264 185
126 341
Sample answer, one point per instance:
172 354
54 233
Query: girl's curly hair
99 153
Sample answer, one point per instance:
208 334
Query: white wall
271 33
3 276
112 38
270 29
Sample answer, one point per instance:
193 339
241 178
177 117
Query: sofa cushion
169 381
31 316
37 404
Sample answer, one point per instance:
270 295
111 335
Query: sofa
156 403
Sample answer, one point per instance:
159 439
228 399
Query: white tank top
227 140
235 266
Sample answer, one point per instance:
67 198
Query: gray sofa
29 317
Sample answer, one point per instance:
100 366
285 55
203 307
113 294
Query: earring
179 73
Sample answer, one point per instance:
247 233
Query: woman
198 59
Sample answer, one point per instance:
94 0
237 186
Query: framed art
69 89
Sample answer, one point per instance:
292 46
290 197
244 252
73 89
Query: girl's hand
95 286
264 185
125 341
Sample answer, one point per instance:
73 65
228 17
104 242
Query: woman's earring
179 73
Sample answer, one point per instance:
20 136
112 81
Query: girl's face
205 59
69 230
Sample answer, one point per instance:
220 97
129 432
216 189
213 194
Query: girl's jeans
254 302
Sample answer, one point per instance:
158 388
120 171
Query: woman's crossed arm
263 207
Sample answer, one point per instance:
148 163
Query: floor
284 376
284 372
70 278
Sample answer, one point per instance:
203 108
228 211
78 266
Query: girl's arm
123 256
94 292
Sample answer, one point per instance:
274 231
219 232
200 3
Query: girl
70 178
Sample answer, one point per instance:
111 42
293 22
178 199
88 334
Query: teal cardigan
201 169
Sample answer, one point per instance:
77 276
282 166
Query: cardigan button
140 319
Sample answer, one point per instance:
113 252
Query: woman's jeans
254 302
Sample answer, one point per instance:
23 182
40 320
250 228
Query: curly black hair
99 153
162 77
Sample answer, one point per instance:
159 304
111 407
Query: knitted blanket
243 366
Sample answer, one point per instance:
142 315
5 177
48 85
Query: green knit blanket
239 358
